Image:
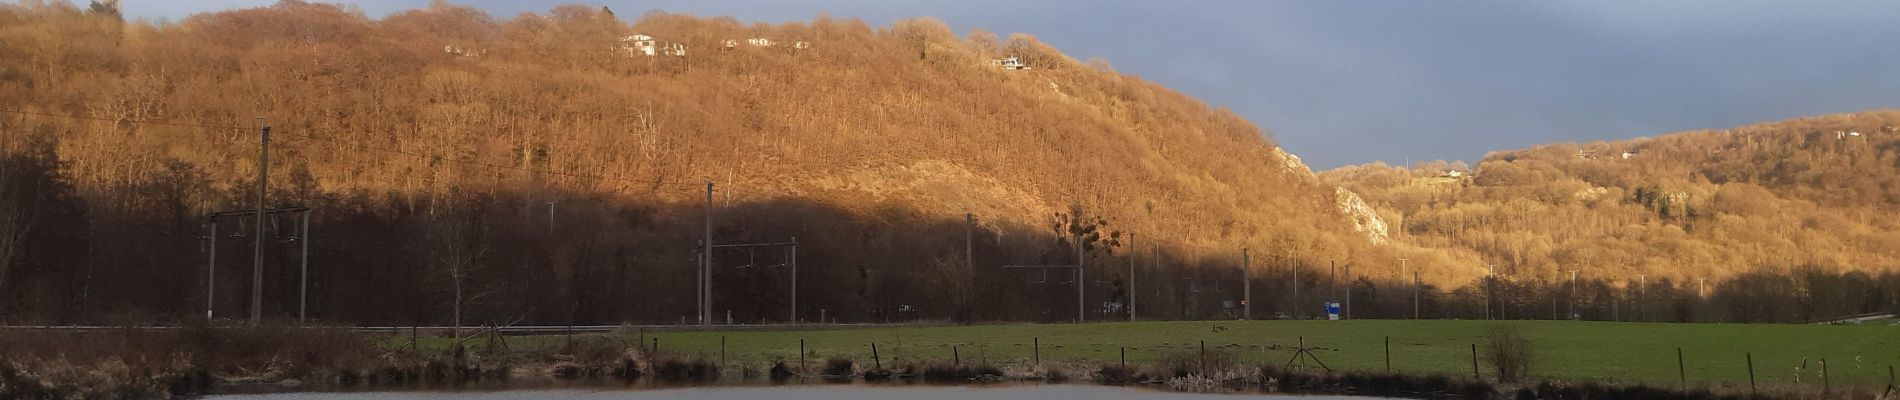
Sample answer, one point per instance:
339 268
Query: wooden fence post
1889 380
1388 354
722 349
1474 362
1827 384
1682 372
956 358
1751 373
1125 358
801 355
1203 358
1035 347
879 362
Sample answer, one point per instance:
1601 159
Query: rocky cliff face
1365 220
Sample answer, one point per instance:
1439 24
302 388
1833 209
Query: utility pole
1415 285
1246 284
1642 309
1348 309
1491 272
969 259
303 284
1699 290
263 187
794 262
553 248
211 270
1402 273
1573 295
1295 266
705 263
1616 306
1081 305
1131 277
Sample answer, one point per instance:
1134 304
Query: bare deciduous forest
431 142
551 168
1782 221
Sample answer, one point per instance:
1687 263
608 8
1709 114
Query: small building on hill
1010 63
642 45
636 45
463 51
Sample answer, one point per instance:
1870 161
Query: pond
796 392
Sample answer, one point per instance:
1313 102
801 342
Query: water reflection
794 392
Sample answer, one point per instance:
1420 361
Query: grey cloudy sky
1348 82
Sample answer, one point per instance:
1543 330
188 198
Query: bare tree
16 218
457 249
1509 351
952 275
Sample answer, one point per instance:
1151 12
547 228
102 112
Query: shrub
838 367
1180 364
1509 353
780 370
946 373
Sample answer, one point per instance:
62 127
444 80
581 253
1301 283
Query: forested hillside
1802 212
551 168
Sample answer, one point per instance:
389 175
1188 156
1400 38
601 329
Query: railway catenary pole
1415 284
1348 276
1573 295
1489 276
969 258
1295 266
211 268
1402 273
794 262
1246 285
1642 285
303 274
257 259
1081 304
705 263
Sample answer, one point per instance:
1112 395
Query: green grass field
1640 352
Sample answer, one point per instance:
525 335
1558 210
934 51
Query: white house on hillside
636 45
1011 63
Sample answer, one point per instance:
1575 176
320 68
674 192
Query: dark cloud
1346 82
